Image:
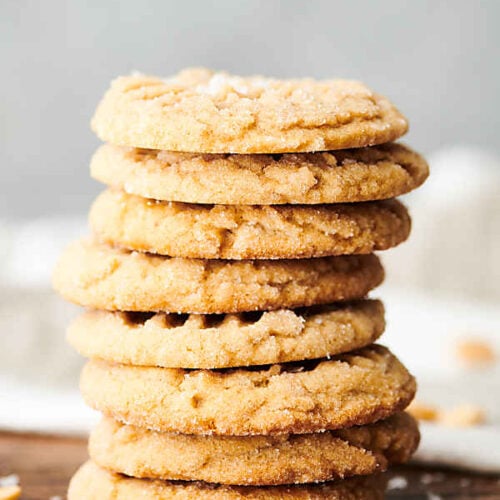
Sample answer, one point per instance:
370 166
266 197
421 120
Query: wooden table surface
44 465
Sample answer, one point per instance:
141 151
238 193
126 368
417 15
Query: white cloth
454 247
38 370
423 330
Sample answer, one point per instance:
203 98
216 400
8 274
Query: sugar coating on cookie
247 232
92 482
310 396
202 111
227 340
102 277
354 175
254 460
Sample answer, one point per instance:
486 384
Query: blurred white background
438 60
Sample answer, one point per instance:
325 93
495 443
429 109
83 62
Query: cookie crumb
426 478
397 483
429 478
10 492
475 352
422 411
433 496
9 487
462 416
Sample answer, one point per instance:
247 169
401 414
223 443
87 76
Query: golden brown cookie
201 111
93 483
310 396
355 175
254 460
102 277
228 340
247 232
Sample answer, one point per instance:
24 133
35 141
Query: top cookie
202 111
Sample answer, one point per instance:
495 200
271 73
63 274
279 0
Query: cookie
310 396
230 340
254 460
102 277
355 175
247 232
93 483
202 111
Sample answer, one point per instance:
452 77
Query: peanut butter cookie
227 340
254 460
310 396
102 277
354 175
93 483
247 232
202 111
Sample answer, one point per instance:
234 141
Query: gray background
438 60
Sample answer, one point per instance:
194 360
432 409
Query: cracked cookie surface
354 175
94 483
102 277
254 460
199 110
350 389
228 340
247 232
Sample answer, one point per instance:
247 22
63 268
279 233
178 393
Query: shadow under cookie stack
230 339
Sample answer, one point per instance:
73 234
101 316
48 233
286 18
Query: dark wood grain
46 463
433 484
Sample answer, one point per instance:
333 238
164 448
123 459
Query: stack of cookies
227 325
